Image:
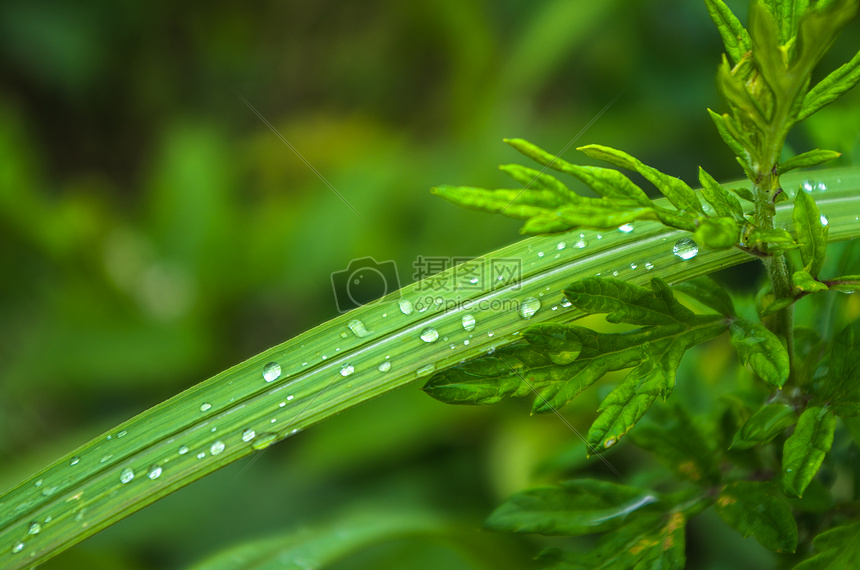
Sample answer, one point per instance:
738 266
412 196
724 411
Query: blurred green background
153 231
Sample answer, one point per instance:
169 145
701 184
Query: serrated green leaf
811 231
560 361
831 87
846 283
708 292
762 350
803 282
676 190
516 203
840 389
735 37
818 29
808 160
753 509
788 14
652 541
718 233
574 508
805 449
624 302
838 549
677 441
731 140
724 204
736 93
764 425
605 182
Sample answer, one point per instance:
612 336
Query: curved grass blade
171 445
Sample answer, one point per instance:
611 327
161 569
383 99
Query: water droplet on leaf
216 447
35 528
625 228
384 367
429 335
248 435
685 248
17 547
205 406
154 472
425 370
405 306
126 475
529 307
271 372
358 329
346 370
468 322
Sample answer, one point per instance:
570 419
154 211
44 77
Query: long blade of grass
344 362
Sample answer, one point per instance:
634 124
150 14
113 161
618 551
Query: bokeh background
153 231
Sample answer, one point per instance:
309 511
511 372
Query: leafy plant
755 456
765 79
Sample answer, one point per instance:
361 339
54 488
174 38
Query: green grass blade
335 366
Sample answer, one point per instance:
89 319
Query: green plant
172 444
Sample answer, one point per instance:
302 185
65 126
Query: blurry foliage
154 232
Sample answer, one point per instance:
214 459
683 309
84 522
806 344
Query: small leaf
744 194
838 549
753 509
775 238
708 292
516 203
535 179
719 233
735 37
597 214
732 141
777 305
724 204
805 449
762 350
764 33
764 425
811 233
831 87
846 283
574 508
677 191
677 441
841 387
625 302
803 282
808 160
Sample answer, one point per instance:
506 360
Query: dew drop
358 329
122 433
540 254
685 248
581 244
201 455
105 458
468 322
205 406
633 266
271 372
17 547
599 236
625 228
824 220
282 404
263 441
609 442
425 370
561 245
290 398
490 333
346 370
344 335
429 335
821 187
566 303
806 185
154 472
74 460
615 274
48 491
35 528
649 266
248 435
183 450
126 475
466 342
405 306
217 447
529 307
384 367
